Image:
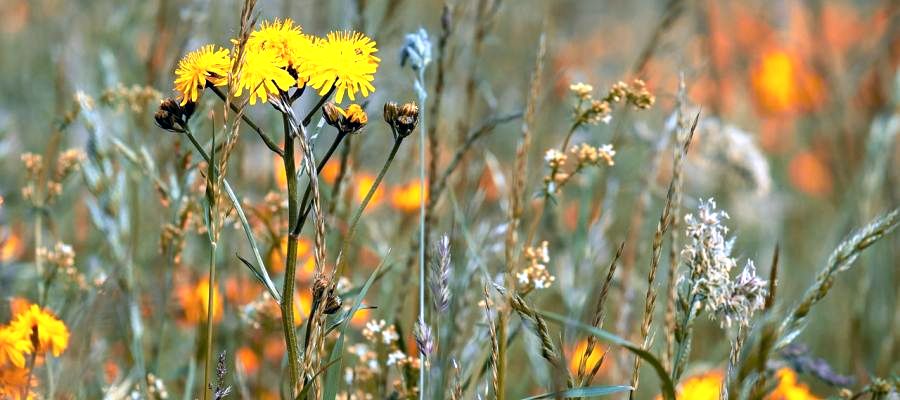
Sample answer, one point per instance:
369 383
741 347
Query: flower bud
347 121
402 119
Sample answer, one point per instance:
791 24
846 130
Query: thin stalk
305 204
359 210
502 345
209 317
318 105
422 97
290 268
38 243
262 135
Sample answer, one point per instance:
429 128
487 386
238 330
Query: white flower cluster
708 255
535 274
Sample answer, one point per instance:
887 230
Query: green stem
262 135
423 95
290 267
38 242
355 220
210 301
305 204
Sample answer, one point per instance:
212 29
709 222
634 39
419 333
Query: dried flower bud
332 304
402 119
166 121
347 121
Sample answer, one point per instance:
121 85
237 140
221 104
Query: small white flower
395 357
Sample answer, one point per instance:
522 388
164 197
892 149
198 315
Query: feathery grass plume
548 349
220 390
681 132
839 261
440 275
517 192
662 227
708 285
597 322
496 366
424 339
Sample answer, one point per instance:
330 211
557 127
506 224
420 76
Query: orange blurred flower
247 359
704 386
306 264
809 174
782 84
578 352
789 389
11 248
13 380
360 318
330 171
363 183
407 198
194 300
241 291
280 174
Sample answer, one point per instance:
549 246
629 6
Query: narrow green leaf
332 376
592 391
668 388
249 232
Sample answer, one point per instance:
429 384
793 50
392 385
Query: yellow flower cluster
279 56
31 333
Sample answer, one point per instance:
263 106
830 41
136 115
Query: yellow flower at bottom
14 345
52 334
206 64
704 386
13 380
789 389
263 74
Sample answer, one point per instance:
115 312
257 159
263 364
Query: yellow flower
704 386
206 64
14 345
263 74
13 380
194 300
789 389
52 334
289 43
346 60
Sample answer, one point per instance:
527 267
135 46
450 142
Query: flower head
346 61
207 64
789 388
14 345
708 255
289 43
263 73
51 333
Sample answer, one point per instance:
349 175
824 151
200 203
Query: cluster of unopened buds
535 274
584 155
62 256
598 110
67 162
